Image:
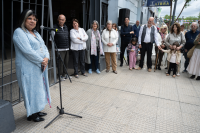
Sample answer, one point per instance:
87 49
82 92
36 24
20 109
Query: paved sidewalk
127 102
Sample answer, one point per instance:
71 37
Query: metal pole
100 15
53 47
42 17
174 12
21 6
35 5
2 43
83 2
11 50
29 4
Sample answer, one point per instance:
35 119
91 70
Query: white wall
113 10
115 5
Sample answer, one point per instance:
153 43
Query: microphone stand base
61 112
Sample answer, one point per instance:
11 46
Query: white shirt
147 37
77 44
51 40
173 58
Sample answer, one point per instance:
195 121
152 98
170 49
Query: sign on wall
152 3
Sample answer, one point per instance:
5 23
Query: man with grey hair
190 37
136 29
62 41
147 36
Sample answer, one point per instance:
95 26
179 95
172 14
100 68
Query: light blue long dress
30 52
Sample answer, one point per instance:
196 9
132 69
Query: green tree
168 17
187 3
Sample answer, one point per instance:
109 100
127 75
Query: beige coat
178 55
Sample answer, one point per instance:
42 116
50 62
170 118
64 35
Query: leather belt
147 42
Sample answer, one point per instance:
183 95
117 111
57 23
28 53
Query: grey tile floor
127 102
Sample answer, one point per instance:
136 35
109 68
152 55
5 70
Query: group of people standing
32 55
87 46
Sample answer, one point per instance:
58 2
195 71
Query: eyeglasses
165 28
30 19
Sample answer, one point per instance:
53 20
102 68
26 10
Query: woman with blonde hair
163 32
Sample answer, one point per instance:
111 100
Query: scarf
94 44
162 36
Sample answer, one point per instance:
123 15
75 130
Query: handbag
191 51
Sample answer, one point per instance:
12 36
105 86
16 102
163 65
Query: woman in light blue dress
31 66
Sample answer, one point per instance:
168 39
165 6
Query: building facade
135 7
48 10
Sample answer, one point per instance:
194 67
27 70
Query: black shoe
35 118
193 76
84 74
165 67
159 68
40 114
198 78
121 65
115 72
76 76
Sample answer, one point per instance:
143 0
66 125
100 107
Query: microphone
48 28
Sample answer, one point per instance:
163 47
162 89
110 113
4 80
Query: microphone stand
61 109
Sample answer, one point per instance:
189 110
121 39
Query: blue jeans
186 60
94 59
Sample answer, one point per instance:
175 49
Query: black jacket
61 37
190 37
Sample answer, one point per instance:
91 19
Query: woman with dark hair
78 38
31 66
93 47
175 36
132 50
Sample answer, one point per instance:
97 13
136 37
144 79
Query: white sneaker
66 77
178 74
62 78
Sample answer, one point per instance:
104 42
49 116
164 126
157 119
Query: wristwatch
80 39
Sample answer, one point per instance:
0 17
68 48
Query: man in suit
126 35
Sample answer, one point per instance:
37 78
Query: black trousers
123 47
146 47
172 65
65 57
79 55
